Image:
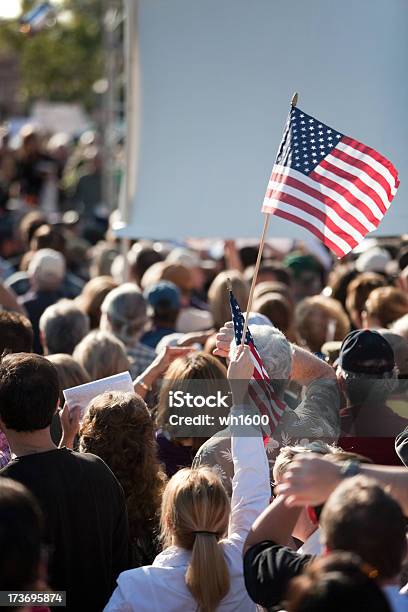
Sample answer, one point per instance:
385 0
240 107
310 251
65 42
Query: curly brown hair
118 428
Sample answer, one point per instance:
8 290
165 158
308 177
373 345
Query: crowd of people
121 510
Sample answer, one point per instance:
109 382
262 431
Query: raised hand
309 480
70 421
169 354
224 338
158 367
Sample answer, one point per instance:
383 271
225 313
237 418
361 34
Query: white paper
83 394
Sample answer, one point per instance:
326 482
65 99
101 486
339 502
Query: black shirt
32 171
268 569
85 521
172 455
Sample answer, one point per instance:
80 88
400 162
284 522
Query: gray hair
274 349
101 354
63 325
46 269
124 313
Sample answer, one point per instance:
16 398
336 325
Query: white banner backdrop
216 79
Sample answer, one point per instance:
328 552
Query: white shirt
312 546
162 586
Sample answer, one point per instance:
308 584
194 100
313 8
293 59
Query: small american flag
332 185
260 387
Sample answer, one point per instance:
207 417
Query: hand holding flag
260 388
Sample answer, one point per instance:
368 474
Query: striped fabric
260 386
332 185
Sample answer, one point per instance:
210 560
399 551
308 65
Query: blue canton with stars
238 321
306 141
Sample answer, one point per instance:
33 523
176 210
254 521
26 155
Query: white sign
83 394
216 79
60 117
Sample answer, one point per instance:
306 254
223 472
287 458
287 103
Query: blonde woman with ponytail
201 568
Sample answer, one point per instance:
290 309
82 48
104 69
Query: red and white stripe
262 392
341 200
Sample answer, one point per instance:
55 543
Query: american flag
329 183
260 387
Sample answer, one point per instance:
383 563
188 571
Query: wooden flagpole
259 257
258 263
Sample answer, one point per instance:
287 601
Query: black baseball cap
163 294
365 351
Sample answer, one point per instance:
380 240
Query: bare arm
143 383
394 478
306 367
8 299
276 523
310 480
232 258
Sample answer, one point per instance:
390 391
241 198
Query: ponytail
207 576
195 514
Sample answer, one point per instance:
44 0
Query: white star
329 131
312 147
314 154
310 120
305 148
305 155
302 122
331 144
297 165
320 125
338 136
320 133
301 115
311 128
321 146
312 140
321 139
330 138
303 129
